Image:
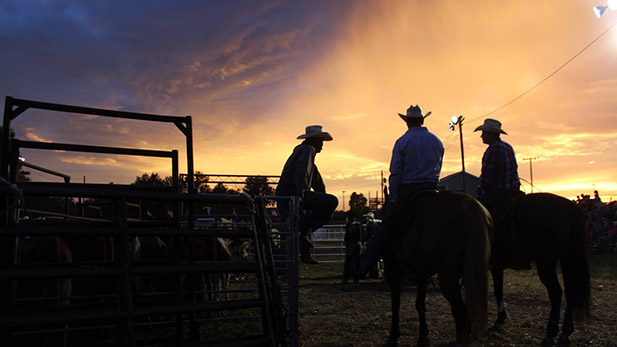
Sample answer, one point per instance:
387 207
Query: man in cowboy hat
415 166
369 231
499 178
299 176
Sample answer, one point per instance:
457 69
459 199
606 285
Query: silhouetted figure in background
354 237
370 229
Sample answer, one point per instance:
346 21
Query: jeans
381 240
352 260
318 209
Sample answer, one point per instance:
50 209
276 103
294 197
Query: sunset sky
253 74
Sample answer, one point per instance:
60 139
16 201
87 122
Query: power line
450 140
549 76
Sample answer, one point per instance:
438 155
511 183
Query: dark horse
547 229
448 234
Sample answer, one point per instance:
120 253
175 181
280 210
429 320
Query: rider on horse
499 183
415 166
499 180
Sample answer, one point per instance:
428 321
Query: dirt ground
358 314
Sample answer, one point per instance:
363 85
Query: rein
515 296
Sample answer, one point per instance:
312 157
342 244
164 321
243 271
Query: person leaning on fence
301 178
415 166
354 237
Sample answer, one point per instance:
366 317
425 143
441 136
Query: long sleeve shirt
353 232
416 158
499 168
300 173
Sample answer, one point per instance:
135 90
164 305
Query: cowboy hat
414 112
491 125
315 131
370 215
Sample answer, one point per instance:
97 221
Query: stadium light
599 10
453 122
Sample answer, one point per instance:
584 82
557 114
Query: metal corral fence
97 284
184 277
329 243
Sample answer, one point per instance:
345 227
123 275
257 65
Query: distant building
455 182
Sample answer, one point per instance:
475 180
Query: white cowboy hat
414 112
491 125
370 215
315 131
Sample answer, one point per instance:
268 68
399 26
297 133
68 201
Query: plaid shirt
499 168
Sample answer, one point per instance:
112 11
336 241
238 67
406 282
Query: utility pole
343 201
531 169
383 198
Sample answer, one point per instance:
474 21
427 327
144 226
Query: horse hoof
423 341
501 317
391 342
498 326
563 341
548 341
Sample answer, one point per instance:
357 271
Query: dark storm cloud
214 60
157 54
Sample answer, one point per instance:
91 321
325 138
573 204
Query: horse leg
497 275
548 277
421 308
567 328
450 289
568 266
394 278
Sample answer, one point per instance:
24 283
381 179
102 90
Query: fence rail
88 282
329 243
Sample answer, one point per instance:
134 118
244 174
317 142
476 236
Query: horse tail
575 270
476 265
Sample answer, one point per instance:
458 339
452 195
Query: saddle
501 212
409 207
502 215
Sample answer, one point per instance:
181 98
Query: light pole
454 121
599 10
382 194
343 201
531 170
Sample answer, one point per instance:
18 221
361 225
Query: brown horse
448 234
547 229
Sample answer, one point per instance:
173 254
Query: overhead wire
43 177
452 136
549 76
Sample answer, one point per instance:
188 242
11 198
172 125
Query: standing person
299 176
499 179
415 166
369 231
370 225
353 247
